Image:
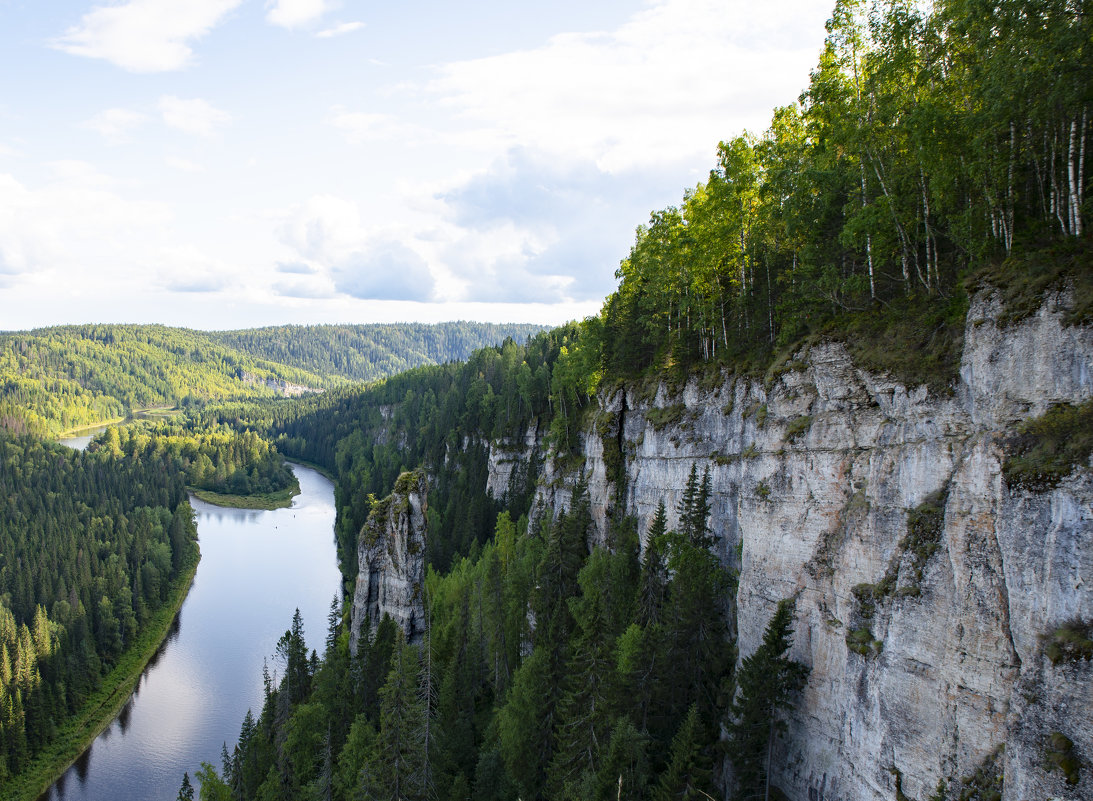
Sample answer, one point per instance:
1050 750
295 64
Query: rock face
391 562
924 639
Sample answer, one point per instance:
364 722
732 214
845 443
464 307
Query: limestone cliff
924 583
391 561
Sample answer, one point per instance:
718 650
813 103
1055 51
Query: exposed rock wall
814 474
391 561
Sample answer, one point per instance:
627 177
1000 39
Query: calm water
256 568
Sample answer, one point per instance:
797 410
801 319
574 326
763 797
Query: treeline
366 353
549 672
441 417
927 142
89 546
219 459
54 379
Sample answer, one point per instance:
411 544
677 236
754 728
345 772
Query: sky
221 164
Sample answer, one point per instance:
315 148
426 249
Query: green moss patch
1045 450
1059 755
1024 279
662 417
916 340
1070 642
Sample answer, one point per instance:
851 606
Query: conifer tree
767 683
687 777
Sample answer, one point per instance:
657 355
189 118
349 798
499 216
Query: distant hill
375 351
55 379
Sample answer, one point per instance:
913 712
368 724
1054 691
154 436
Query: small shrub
1045 450
798 426
1059 755
761 415
660 418
1070 642
862 642
762 490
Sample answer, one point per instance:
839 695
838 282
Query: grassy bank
103 706
281 499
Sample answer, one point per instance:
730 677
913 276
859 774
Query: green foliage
929 143
1059 755
660 417
767 685
365 353
798 426
1046 449
89 548
1024 278
1070 642
55 379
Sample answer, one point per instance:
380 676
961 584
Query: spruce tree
767 683
687 777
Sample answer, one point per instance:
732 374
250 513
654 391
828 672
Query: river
256 568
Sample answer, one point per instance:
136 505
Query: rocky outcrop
924 583
391 562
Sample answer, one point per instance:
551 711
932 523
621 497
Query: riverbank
282 499
147 413
103 706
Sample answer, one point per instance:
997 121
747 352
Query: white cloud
339 30
358 127
194 116
76 225
183 165
115 124
667 85
296 13
145 35
341 256
323 229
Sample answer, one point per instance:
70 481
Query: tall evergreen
767 685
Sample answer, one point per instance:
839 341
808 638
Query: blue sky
232 163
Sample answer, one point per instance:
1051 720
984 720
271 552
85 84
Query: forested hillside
90 546
371 352
54 379
932 152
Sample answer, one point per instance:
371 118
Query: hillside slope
374 351
54 379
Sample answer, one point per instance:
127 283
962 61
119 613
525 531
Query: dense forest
365 353
616 690
217 459
55 379
933 151
89 547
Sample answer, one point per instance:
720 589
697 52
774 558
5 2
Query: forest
366 353
217 459
90 548
932 152
56 379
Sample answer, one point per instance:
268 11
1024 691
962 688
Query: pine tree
186 791
767 683
397 772
687 777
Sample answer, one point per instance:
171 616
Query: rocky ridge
391 562
924 584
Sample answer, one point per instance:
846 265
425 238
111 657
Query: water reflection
256 568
